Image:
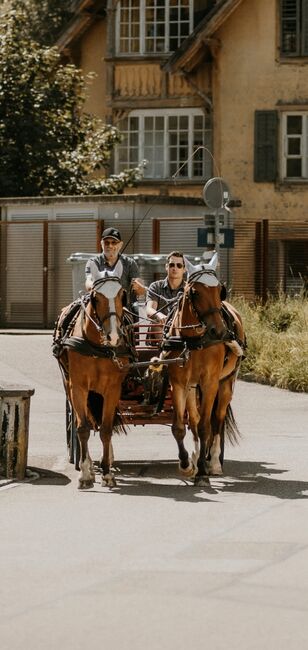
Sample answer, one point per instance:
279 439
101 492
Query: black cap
113 233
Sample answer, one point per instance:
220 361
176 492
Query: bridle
193 278
98 321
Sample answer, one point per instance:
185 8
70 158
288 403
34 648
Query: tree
48 145
45 18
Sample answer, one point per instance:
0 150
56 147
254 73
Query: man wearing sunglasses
161 294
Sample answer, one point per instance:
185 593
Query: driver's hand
138 287
161 318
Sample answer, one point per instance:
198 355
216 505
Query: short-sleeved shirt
130 268
161 289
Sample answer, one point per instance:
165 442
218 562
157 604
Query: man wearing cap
111 252
111 246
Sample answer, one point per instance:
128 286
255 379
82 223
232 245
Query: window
152 26
167 140
294 27
295 145
296 267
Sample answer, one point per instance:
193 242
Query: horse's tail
119 422
95 405
230 427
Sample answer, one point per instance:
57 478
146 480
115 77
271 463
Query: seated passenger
161 294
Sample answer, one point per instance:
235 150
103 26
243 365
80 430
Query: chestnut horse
93 357
204 386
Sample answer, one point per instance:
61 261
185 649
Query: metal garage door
36 280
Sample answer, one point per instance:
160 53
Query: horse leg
179 430
78 398
216 450
110 403
194 417
209 393
87 477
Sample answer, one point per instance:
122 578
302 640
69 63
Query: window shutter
305 29
290 27
266 131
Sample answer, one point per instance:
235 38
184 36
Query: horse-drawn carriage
116 372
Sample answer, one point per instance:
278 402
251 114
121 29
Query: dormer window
152 26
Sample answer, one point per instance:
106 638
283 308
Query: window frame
285 138
299 32
142 38
190 113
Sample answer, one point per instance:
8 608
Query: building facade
203 88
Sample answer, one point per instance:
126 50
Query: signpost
216 195
218 219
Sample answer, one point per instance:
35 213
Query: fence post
264 260
14 429
258 258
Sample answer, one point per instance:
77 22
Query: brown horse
94 355
204 386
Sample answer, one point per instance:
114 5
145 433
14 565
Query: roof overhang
85 13
201 43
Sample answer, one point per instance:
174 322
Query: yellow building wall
249 76
91 59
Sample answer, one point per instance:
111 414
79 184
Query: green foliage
277 337
45 18
48 145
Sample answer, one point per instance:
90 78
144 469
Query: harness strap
85 347
191 343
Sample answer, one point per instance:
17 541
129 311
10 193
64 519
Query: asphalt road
155 563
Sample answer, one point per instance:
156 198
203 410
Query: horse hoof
215 471
84 484
202 481
108 481
189 471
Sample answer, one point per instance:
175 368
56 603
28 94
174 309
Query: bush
277 342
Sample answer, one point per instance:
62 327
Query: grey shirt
130 268
161 289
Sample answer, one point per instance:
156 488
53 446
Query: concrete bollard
14 429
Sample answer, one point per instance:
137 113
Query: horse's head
206 293
107 298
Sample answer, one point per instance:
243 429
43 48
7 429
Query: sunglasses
178 265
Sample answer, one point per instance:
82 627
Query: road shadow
42 476
156 479
161 479
261 478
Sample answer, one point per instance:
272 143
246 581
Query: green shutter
305 29
266 131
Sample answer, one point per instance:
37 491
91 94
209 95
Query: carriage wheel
73 449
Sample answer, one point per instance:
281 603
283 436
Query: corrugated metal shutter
243 266
22 260
65 239
28 214
24 287
180 235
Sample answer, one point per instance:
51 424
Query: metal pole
217 235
